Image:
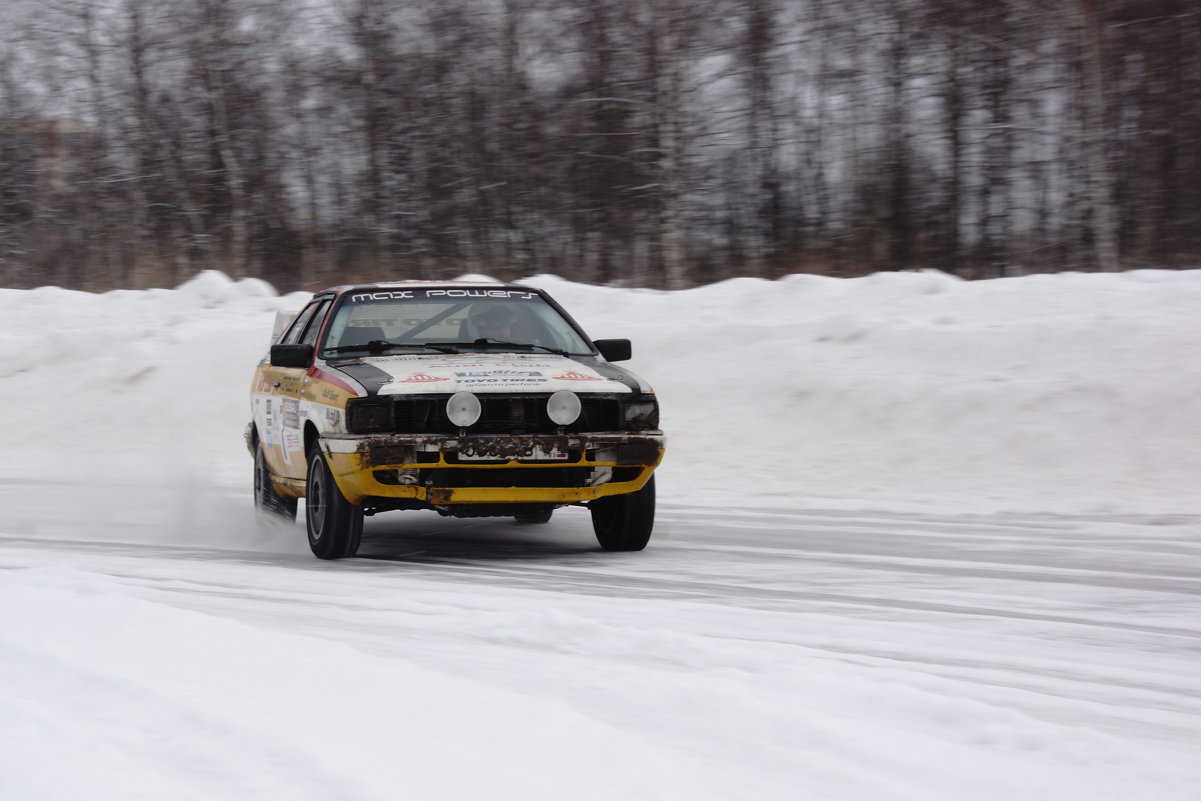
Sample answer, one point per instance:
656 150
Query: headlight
564 407
463 409
641 414
368 416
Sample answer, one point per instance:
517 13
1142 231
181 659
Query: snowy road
778 641
768 654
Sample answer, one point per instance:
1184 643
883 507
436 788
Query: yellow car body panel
359 479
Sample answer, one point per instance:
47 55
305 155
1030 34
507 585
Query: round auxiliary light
463 409
563 407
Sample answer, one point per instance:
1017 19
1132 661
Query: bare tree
647 141
1087 23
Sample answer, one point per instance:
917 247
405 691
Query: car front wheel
335 525
624 522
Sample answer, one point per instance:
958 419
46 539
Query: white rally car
472 399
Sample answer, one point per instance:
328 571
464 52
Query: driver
496 322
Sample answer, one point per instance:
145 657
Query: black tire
624 522
267 501
536 517
335 525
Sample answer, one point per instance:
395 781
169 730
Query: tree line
651 142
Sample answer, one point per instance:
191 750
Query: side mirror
614 350
291 355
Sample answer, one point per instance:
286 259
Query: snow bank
1064 392
1070 392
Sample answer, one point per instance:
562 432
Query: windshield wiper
379 345
490 342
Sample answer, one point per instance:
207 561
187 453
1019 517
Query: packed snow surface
918 538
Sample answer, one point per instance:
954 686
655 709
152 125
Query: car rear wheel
624 522
334 524
266 500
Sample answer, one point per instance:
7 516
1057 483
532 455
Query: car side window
314 326
297 328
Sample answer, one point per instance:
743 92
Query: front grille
558 477
503 414
420 415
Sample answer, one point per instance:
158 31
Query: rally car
471 399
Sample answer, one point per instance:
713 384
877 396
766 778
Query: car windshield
448 320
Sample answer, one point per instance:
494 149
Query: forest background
659 143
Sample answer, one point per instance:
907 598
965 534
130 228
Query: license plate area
499 450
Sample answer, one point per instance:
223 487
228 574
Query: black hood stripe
370 376
613 372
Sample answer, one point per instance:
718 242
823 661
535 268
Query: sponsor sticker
291 413
411 294
419 378
291 444
268 432
478 293
498 374
508 378
508 382
572 375
361 297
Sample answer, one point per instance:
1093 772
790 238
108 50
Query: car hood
487 372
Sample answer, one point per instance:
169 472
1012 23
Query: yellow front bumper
358 463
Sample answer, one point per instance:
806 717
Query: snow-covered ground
918 539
